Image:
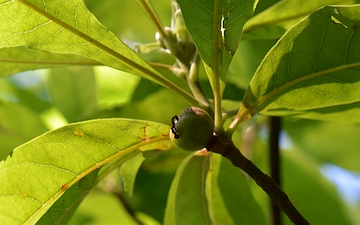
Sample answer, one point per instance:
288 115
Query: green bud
180 30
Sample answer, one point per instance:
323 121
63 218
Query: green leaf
153 182
73 92
71 28
87 182
204 195
276 20
233 202
18 125
339 113
191 204
14 60
187 201
246 61
65 207
199 19
40 171
314 65
128 172
61 28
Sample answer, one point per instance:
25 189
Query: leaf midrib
84 36
274 92
250 27
97 165
49 62
152 74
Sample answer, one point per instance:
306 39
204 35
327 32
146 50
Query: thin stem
224 146
162 66
216 68
228 114
51 62
194 84
147 7
242 115
275 129
179 72
168 41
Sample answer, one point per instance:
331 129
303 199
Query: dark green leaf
87 182
233 202
246 61
315 65
191 204
128 172
187 200
64 208
199 19
276 20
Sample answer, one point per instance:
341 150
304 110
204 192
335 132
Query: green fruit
192 130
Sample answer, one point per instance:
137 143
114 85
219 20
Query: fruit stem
216 69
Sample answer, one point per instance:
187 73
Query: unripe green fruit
192 130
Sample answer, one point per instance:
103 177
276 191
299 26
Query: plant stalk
169 43
216 69
224 146
242 115
193 82
275 129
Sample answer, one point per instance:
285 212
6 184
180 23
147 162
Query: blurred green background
321 160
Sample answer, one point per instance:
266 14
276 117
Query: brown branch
274 135
225 147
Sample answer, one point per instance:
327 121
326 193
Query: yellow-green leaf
40 171
70 28
19 59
